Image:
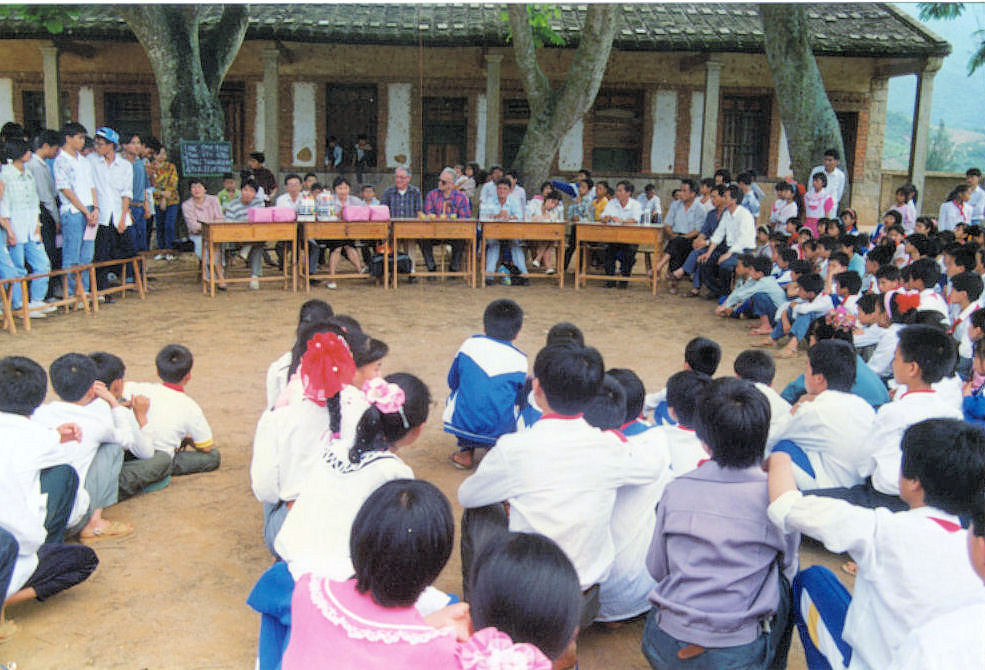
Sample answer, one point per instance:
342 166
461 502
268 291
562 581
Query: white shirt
685 449
832 430
113 183
881 361
891 421
947 642
737 229
26 448
910 569
284 200
779 410
535 212
633 210
820 304
277 378
652 204
961 325
950 215
836 182
74 173
560 478
932 300
781 211
977 203
171 417
315 534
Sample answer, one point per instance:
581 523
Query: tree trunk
553 112
189 64
805 110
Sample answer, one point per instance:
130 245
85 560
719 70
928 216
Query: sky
957 98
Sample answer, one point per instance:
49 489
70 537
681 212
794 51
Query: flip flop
461 466
115 529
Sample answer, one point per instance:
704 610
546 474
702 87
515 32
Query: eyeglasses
444 181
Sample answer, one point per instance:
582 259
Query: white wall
481 112
398 124
259 121
664 114
6 100
697 127
783 158
87 109
572 152
304 124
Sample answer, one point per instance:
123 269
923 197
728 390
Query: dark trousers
479 526
60 483
111 245
190 462
427 251
61 566
49 232
8 557
138 473
710 273
625 254
678 248
864 495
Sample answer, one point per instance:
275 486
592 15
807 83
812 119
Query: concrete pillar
480 129
87 109
6 100
52 94
398 124
865 193
271 108
303 149
662 145
921 123
695 132
709 128
494 65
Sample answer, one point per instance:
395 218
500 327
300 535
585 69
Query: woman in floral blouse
166 199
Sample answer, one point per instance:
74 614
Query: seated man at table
202 207
502 208
238 210
621 210
445 202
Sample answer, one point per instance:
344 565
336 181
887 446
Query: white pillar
480 129
398 98
783 156
52 96
494 64
694 144
259 120
570 157
303 147
87 109
921 123
664 114
271 103
709 134
6 100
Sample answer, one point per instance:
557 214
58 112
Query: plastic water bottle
647 215
323 206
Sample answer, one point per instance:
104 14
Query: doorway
445 131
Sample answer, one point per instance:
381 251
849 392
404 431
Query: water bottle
323 206
647 214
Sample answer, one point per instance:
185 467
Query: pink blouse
208 211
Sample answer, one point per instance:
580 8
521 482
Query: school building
687 89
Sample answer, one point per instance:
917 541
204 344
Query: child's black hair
977 515
930 348
787 255
174 362
881 255
850 281
563 332
890 272
400 541
365 349
755 366
870 302
733 419
811 283
762 265
978 348
524 585
607 410
978 319
839 257
502 319
947 457
570 376
835 360
920 242
970 283
800 267
897 220
314 310
109 367
830 243
635 392
961 256
23 385
347 323
926 271
683 389
72 375
378 431
703 355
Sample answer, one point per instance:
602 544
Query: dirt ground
173 594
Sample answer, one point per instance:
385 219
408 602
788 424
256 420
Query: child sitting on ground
759 295
973 405
98 456
311 311
721 568
877 257
683 445
847 285
912 565
701 355
811 303
175 421
758 367
527 411
925 272
966 289
486 378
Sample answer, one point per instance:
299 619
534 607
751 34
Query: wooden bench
135 264
67 301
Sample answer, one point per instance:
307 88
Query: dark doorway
445 129
848 121
232 99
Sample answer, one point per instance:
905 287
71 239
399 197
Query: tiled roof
840 29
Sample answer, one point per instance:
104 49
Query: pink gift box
379 212
260 215
355 213
283 214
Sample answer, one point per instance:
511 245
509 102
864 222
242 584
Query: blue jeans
139 227
34 254
799 327
763 305
60 483
516 251
8 557
166 222
75 250
660 649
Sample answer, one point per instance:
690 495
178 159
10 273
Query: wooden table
601 233
343 230
436 229
540 231
244 232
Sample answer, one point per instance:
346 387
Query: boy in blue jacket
973 404
486 379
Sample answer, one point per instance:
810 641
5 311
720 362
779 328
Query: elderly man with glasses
446 202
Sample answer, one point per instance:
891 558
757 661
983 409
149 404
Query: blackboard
206 159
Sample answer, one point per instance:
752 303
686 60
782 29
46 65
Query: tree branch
223 43
535 82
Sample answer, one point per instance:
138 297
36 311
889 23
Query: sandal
115 529
850 568
787 353
459 464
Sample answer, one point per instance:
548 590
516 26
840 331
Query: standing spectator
264 178
956 208
834 175
166 199
466 183
142 200
365 157
446 202
198 208
488 190
113 176
46 146
517 192
79 209
651 203
229 191
977 201
333 156
749 199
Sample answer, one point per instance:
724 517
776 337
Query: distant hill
969 145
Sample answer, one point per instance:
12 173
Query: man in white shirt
737 230
621 210
113 178
977 201
79 204
835 175
650 202
488 190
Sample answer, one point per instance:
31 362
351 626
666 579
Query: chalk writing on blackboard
206 159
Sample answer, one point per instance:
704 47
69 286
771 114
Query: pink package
283 214
355 213
379 212
260 215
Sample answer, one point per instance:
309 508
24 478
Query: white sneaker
159 257
169 257
254 284
36 315
42 307
331 285
549 271
364 270
536 264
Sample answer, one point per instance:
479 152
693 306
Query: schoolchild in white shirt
827 430
811 303
98 456
276 380
683 445
925 273
527 411
37 489
847 286
966 289
701 355
758 367
912 565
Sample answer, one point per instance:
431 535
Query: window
351 111
617 129
516 116
128 113
33 111
745 133
232 99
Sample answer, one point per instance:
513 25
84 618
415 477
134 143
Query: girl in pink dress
818 204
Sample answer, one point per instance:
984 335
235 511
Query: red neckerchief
949 526
175 387
563 417
917 391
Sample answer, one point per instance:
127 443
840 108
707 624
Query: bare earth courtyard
173 594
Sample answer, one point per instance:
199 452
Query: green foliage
52 18
940 153
940 10
540 17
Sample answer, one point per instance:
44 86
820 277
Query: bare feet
759 331
7 630
463 460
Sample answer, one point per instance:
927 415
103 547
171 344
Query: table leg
482 264
294 265
386 264
93 290
559 262
396 251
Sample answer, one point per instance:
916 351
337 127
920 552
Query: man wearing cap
113 176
